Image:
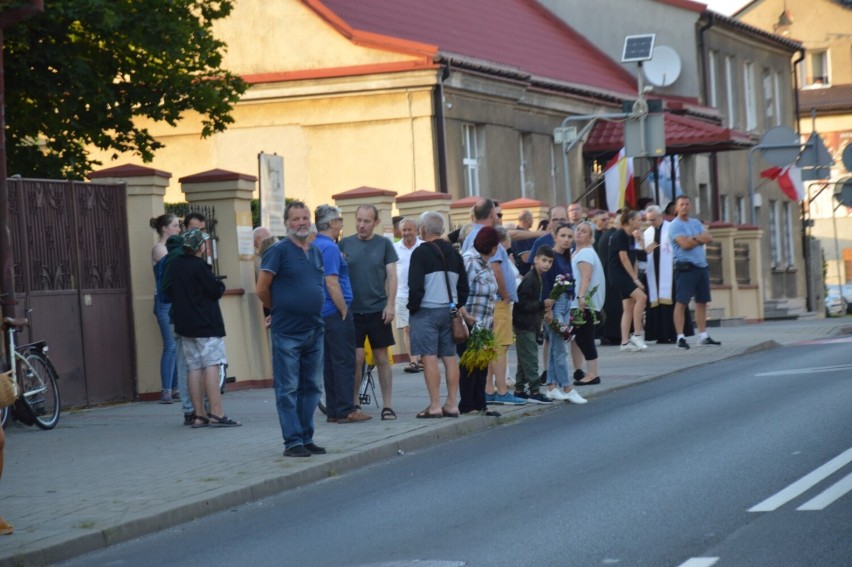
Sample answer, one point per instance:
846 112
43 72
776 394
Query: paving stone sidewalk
108 474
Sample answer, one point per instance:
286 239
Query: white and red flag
789 179
618 180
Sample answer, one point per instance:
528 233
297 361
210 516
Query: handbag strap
446 273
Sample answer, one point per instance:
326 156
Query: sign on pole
271 177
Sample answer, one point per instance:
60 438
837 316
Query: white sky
726 7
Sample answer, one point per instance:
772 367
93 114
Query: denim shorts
431 333
694 282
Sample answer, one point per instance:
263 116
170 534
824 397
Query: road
743 462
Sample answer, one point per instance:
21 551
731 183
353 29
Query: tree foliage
84 72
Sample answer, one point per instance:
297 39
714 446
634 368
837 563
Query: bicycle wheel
41 393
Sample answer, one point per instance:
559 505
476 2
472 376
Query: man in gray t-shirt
372 272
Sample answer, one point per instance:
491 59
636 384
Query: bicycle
366 393
38 403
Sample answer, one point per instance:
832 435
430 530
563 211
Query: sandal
199 418
223 421
426 415
388 414
412 368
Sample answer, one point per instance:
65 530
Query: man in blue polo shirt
339 343
290 283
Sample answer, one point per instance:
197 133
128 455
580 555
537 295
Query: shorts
503 324
402 316
370 326
201 352
623 285
431 333
694 282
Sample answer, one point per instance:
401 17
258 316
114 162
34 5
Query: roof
519 37
833 98
684 135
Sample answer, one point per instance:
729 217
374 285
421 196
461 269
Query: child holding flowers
558 318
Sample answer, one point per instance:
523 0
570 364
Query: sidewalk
108 474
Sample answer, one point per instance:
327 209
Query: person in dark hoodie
195 292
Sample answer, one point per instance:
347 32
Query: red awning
684 135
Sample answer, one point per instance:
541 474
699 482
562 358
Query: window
775 233
788 234
704 208
730 87
527 178
817 71
726 208
769 114
470 162
741 212
750 96
711 78
776 98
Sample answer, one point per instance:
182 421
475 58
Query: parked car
835 305
844 291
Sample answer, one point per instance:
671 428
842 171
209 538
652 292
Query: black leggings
584 336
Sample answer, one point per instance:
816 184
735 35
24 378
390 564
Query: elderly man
372 270
339 337
291 285
487 213
404 248
659 321
436 271
692 272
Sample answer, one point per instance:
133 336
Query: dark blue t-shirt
297 287
335 265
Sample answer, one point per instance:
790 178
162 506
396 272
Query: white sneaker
629 347
554 394
574 397
638 341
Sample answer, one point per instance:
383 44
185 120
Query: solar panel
638 48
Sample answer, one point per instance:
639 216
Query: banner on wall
271 179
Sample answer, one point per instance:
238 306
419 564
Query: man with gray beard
290 283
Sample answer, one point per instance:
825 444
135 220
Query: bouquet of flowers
481 349
578 317
565 330
563 284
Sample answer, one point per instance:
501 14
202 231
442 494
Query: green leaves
83 71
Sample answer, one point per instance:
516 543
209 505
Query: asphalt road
695 469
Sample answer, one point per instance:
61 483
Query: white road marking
837 368
803 484
829 495
700 562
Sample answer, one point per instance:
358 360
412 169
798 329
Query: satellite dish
844 192
847 157
664 67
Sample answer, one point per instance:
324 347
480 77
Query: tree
86 73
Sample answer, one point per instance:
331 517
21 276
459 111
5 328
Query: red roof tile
684 135
518 35
835 97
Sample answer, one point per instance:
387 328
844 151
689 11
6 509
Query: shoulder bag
457 325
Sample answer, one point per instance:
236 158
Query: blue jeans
168 367
296 361
339 365
557 358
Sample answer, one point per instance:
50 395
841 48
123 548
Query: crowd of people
556 294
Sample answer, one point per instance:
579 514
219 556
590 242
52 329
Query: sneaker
639 342
508 399
315 449
176 395
354 417
707 341
554 394
297 451
629 347
538 398
575 398
681 343
521 395
491 398
166 397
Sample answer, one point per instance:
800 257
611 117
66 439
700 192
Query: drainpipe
441 130
806 248
714 157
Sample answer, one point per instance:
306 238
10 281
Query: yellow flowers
481 350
